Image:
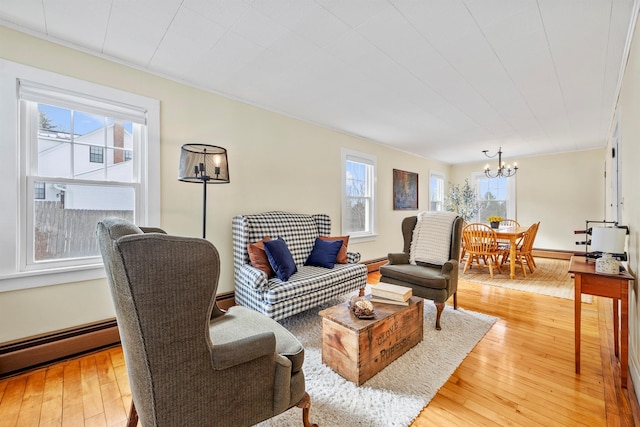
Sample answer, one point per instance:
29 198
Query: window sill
36 279
362 238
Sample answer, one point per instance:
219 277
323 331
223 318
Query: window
84 152
39 191
96 154
496 196
436 191
358 195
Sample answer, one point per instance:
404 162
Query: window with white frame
81 152
358 194
495 196
96 154
436 191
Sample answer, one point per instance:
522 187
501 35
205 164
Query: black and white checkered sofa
307 288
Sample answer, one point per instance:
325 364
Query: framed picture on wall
405 190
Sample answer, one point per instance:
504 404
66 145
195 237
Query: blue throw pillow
280 258
324 253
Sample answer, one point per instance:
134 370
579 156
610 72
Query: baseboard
632 380
31 352
552 253
17 356
226 300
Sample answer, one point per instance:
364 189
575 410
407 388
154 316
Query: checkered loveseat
310 285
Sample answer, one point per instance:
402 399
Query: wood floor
521 373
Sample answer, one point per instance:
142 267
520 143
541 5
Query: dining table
512 234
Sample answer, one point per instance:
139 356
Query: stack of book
390 294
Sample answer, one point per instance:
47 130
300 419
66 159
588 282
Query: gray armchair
429 281
190 363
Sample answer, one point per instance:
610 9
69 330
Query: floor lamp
205 164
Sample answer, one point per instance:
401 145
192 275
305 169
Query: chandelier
503 170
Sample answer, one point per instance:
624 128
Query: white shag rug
397 394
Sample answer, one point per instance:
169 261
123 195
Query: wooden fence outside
68 233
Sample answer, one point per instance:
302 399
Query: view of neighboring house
83 156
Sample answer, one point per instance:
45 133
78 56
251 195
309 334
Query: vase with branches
463 201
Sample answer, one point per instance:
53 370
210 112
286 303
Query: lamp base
607 265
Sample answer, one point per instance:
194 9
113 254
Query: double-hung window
495 196
358 194
96 154
82 152
436 191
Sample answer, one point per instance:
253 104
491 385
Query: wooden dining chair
524 254
524 251
463 252
481 247
509 223
504 243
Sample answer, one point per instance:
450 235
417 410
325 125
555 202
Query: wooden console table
615 286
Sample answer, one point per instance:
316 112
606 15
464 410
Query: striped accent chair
310 286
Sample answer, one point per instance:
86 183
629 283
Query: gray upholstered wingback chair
429 281
190 363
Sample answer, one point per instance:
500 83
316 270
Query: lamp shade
203 163
608 239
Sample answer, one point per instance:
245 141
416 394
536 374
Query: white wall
561 191
629 110
275 163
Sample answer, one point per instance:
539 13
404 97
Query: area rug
397 394
550 277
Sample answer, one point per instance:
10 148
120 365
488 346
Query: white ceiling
444 79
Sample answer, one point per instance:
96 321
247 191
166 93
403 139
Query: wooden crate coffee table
358 349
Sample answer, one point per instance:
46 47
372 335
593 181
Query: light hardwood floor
520 373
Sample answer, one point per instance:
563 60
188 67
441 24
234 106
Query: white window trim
436 174
511 188
12 275
365 158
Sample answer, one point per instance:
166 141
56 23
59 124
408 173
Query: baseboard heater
28 353
40 350
552 253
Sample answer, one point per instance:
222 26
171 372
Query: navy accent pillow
280 258
324 253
